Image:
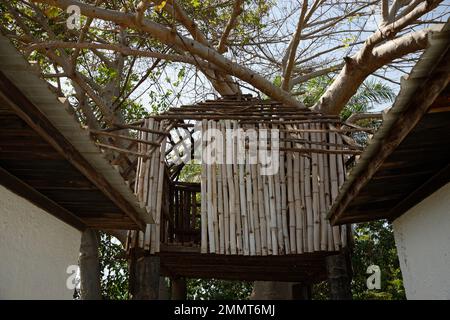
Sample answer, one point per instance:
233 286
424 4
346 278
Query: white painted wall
35 251
422 237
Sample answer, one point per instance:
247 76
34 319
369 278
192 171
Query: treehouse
267 175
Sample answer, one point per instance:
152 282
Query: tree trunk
339 277
301 291
90 266
179 289
144 278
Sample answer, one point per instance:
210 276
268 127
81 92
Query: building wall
35 251
422 237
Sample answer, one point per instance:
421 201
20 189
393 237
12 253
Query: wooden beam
22 189
40 124
438 180
123 137
436 81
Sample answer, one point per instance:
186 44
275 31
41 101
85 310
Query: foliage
374 245
368 95
113 269
211 289
190 172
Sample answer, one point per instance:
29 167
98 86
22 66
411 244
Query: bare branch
237 10
292 48
315 74
114 47
385 10
364 115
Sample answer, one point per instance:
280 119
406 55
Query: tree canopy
180 50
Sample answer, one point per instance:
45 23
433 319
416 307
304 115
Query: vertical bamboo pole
330 243
308 201
315 193
249 196
334 182
277 197
146 176
290 199
214 189
265 183
146 181
322 202
284 196
160 191
226 203
220 203
273 215
142 177
153 189
209 192
203 195
256 208
239 236
139 164
303 222
244 220
230 179
261 207
297 204
341 177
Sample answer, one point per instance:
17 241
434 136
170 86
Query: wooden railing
183 222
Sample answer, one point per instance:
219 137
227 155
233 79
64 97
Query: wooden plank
435 182
24 190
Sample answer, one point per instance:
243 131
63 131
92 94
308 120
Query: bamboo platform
181 261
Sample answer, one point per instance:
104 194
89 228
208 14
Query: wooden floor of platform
190 263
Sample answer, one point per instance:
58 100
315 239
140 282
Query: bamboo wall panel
252 214
150 186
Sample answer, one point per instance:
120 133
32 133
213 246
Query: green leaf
277 81
195 3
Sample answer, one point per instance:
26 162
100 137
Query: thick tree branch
166 36
353 74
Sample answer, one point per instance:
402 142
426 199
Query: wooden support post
301 291
89 265
144 280
339 277
179 288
